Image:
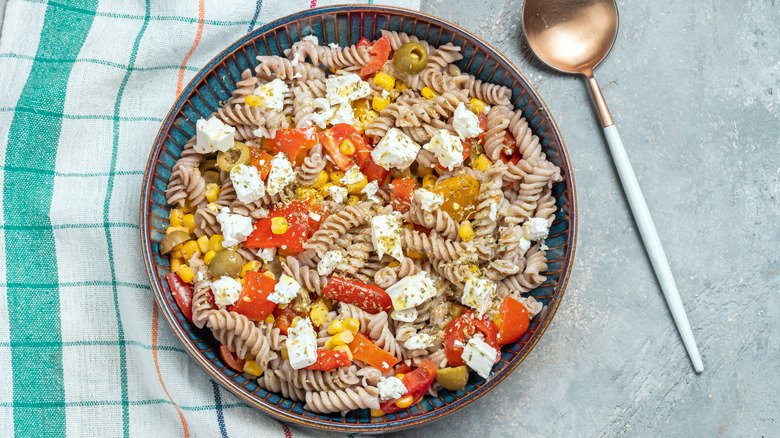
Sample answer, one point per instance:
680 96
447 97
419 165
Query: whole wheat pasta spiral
245 87
313 164
441 221
272 67
493 94
497 123
342 400
436 246
237 333
336 225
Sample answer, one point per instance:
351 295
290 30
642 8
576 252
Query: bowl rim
275 411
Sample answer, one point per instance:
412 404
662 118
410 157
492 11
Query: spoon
574 36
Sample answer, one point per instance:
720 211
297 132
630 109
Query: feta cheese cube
465 122
226 291
418 341
329 262
301 344
345 88
281 174
343 114
395 149
314 216
386 236
273 94
405 315
447 148
247 183
478 294
337 194
267 254
333 45
479 356
213 136
370 189
493 214
352 176
535 228
428 200
390 388
235 227
323 113
285 290
411 291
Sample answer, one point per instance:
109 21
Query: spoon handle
652 243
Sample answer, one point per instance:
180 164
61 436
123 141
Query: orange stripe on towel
201 19
155 320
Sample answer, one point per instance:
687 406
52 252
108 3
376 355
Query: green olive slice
212 177
454 378
238 154
410 58
172 240
206 165
226 262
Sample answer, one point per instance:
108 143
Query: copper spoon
574 36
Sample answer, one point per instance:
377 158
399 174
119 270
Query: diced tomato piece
512 320
364 43
296 213
401 190
462 328
330 145
293 142
283 318
402 368
417 383
368 297
373 171
261 160
364 350
329 360
379 52
253 300
182 292
483 126
231 359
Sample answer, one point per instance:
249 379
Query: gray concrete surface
694 88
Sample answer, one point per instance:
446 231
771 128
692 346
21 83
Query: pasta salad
360 226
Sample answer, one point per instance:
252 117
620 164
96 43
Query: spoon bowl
570 36
574 36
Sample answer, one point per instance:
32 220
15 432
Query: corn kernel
318 313
295 321
377 413
188 220
400 86
269 319
176 263
208 256
250 266
379 103
335 327
385 81
336 176
456 310
328 303
215 242
322 179
414 255
170 230
477 106
466 231
270 275
203 244
351 324
429 181
212 192
189 249
497 320
252 367
343 338
187 208
345 349
283 352
404 402
352 200
175 217
474 270
400 376
354 189
253 100
481 163
393 264
279 225
305 193
428 93
324 192
176 253
347 147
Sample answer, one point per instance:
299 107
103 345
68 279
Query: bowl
345 25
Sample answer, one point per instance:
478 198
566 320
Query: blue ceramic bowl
345 25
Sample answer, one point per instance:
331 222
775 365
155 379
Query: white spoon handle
653 245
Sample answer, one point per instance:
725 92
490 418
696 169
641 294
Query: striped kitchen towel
84 86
